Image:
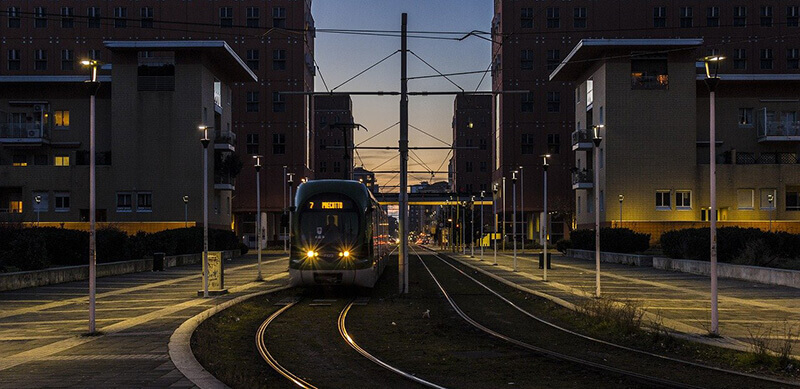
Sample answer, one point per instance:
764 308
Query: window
19 160
483 144
766 16
526 59
252 101
252 17
40 59
61 119
739 58
659 16
43 204
93 15
712 17
553 101
279 17
226 16
67 17
13 59
553 18
95 54
279 59
61 201
744 199
579 20
662 200
146 14
66 59
61 160
323 167
278 102
792 16
683 199
278 143
649 72
252 59
686 17
579 205
337 166
470 142
526 18
15 206
554 143
793 58
124 202
41 160
252 144
13 17
527 143
740 16
120 17
468 167
745 116
39 17
766 59
553 59
767 195
527 102
484 166
793 198
144 202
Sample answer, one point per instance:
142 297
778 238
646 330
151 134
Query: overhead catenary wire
436 70
365 70
378 133
429 134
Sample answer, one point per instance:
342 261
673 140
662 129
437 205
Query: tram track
598 347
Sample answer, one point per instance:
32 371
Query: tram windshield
329 221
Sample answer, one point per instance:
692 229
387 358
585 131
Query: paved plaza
42 342
680 301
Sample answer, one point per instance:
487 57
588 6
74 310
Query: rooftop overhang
221 55
50 79
754 77
589 51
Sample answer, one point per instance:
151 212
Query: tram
339 235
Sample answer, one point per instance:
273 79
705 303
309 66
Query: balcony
582 140
224 182
24 134
582 179
778 130
225 140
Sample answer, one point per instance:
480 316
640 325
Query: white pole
481 241
463 228
514 215
185 213
286 236
522 207
258 212
494 218
472 229
597 141
291 184
713 213
504 214
545 224
205 142
92 211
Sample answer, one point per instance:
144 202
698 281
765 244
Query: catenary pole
403 144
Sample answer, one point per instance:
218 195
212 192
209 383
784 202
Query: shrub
563 245
243 248
615 240
749 246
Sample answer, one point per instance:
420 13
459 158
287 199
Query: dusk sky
341 56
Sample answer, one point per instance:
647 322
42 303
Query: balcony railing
23 131
581 140
224 182
582 179
778 130
224 140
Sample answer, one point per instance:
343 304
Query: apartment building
334 127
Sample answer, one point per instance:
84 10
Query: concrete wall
762 275
27 279
625 259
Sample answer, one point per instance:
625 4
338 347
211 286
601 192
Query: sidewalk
41 342
680 300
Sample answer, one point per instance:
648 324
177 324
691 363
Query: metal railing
23 131
581 136
583 176
778 128
225 137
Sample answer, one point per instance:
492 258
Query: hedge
749 246
615 240
34 248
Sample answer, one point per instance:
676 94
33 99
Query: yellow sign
216 276
332 205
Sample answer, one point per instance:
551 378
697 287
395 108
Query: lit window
61 160
15 206
663 200
19 160
649 72
61 118
683 199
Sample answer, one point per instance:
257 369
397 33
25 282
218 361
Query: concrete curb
180 348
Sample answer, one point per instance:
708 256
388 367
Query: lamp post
38 200
596 140
621 198
712 66
504 214
514 214
483 193
285 233
463 228
205 141
291 201
472 228
770 198
494 217
545 165
522 207
186 211
258 212
94 86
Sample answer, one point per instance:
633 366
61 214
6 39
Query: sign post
216 274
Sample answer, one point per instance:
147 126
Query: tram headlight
311 254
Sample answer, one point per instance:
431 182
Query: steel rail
352 343
546 352
265 354
607 343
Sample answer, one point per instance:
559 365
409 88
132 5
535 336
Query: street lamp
545 165
483 193
504 214
463 228
770 198
186 211
621 198
514 214
38 200
205 141
291 201
94 87
472 228
522 207
494 217
286 235
258 211
596 140
712 80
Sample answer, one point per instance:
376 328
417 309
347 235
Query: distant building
149 156
654 154
333 121
367 178
418 215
